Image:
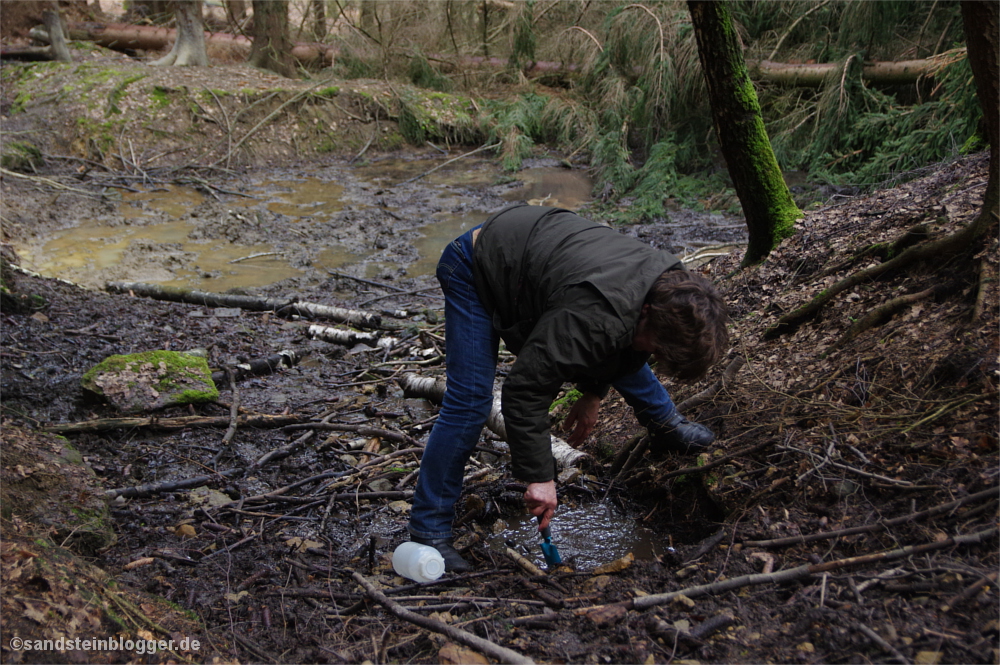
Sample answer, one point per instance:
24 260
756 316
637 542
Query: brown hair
689 317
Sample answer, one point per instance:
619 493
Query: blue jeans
471 356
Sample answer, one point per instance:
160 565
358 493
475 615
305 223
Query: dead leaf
35 614
185 531
616 566
452 654
607 614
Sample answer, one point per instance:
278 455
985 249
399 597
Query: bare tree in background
189 47
272 48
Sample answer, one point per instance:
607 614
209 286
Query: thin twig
453 159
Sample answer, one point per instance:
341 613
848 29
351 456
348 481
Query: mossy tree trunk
981 20
767 203
272 48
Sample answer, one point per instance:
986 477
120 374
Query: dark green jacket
565 294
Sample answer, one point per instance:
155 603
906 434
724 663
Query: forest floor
846 513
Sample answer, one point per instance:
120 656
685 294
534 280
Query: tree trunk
767 203
57 37
189 47
318 9
368 17
272 48
982 27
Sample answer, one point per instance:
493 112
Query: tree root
950 244
883 313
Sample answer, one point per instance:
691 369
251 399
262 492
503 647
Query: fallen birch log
260 367
495 651
249 303
432 388
348 337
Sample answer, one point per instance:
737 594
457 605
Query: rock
151 380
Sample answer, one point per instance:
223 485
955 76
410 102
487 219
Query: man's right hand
540 498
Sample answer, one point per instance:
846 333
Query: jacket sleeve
563 346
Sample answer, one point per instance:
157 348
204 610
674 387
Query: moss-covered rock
151 380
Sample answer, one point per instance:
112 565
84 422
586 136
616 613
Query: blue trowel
549 550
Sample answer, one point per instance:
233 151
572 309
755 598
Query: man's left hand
582 418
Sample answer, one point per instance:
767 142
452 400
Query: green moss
21 101
20 156
570 398
99 136
177 364
160 96
432 116
331 91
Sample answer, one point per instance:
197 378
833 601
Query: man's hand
582 418
540 498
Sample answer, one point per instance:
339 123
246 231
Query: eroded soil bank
833 446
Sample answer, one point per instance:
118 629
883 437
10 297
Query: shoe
453 561
679 435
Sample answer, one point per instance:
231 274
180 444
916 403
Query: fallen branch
249 303
801 572
486 647
348 337
273 114
150 489
969 591
196 297
51 183
234 412
170 424
260 367
363 430
877 639
528 566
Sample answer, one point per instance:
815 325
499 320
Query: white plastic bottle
420 563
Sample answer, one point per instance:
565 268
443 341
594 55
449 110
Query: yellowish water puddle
81 253
91 254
